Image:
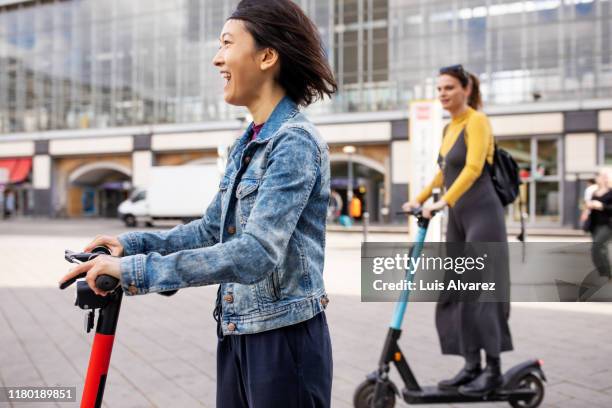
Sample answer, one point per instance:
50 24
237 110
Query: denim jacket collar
284 110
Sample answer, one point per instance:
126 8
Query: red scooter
108 307
108 313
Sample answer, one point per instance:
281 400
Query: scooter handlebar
417 212
103 282
106 282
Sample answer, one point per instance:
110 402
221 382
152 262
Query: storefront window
520 149
547 158
537 158
547 201
606 149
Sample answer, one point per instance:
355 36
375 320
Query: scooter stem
99 359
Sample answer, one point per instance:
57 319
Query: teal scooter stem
402 303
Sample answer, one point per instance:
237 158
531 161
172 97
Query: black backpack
505 175
506 181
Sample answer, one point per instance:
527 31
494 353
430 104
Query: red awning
18 168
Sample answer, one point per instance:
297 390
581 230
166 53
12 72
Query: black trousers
287 367
599 251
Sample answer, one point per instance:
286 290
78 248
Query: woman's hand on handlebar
410 205
100 265
430 209
112 243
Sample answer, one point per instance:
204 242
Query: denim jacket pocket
246 193
267 290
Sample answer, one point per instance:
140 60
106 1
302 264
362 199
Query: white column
400 162
580 152
142 161
41 172
41 182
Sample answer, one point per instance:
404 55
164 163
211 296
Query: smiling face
451 94
240 64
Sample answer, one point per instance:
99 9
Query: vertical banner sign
425 140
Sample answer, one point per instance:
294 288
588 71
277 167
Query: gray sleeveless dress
466 327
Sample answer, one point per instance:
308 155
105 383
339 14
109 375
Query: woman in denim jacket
263 236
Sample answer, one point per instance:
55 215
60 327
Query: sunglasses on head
456 69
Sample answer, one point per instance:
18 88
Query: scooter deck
432 395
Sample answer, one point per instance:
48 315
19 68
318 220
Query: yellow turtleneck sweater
480 147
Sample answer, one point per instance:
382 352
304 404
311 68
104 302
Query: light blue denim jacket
262 238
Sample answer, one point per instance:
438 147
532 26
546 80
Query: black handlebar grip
101 250
106 282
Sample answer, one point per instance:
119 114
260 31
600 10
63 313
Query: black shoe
466 375
487 382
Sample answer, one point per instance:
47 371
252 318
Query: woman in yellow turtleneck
475 215
480 141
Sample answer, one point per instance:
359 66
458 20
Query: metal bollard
366 222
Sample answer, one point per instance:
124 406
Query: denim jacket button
231 327
132 289
324 301
228 298
231 230
247 160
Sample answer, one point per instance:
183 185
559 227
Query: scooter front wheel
364 396
534 383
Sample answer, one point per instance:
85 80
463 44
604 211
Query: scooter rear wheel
364 395
535 383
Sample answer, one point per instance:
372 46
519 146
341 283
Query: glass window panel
521 204
547 201
547 158
350 10
520 149
607 149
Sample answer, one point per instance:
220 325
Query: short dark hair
465 78
305 74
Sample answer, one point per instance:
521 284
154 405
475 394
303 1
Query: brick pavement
164 353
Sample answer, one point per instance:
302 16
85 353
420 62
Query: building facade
95 92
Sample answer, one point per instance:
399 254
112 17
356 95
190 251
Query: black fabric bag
587 225
505 175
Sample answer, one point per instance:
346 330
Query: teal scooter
523 384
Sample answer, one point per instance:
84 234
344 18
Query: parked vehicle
174 193
133 208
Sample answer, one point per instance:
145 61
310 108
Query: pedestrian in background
588 193
476 214
600 223
9 203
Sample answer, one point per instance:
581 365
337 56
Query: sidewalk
164 353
